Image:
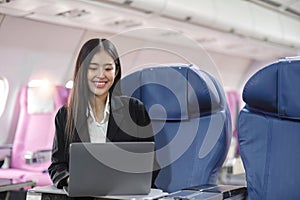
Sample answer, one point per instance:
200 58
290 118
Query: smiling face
101 74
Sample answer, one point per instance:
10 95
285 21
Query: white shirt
98 130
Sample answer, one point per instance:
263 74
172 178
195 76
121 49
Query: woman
96 111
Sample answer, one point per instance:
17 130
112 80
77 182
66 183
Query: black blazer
127 115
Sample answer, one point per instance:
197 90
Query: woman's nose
100 72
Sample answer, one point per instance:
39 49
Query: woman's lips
100 84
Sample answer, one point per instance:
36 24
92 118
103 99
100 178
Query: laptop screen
98 169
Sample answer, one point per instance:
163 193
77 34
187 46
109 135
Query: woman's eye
93 68
108 67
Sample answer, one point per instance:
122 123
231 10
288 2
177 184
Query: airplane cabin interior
219 80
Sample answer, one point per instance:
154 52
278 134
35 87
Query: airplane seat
268 131
31 149
190 120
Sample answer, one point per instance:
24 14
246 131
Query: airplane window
40 97
4 93
69 84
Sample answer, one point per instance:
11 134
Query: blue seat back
269 131
190 120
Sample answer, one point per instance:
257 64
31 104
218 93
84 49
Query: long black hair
79 97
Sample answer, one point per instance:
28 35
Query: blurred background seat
30 153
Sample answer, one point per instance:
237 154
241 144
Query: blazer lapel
82 133
116 118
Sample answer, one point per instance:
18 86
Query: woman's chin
100 93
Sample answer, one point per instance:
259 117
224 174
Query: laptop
101 169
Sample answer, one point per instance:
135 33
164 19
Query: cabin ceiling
212 24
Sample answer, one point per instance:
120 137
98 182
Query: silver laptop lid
98 169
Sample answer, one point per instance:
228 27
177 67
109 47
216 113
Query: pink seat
233 99
234 103
31 149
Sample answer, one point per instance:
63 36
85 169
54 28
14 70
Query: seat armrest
227 191
8 186
5 146
38 156
5 151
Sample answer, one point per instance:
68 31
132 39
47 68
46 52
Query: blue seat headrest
275 89
173 92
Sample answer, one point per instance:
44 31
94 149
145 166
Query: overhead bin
266 24
235 16
240 17
243 18
290 30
